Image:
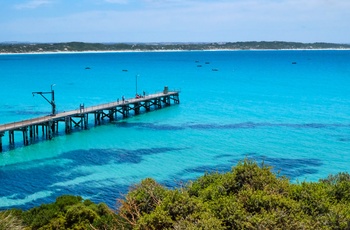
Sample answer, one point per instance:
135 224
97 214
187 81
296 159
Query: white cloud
33 4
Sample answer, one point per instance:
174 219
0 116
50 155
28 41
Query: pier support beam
166 100
158 103
147 106
85 121
176 99
43 129
137 108
97 117
68 124
50 127
111 114
25 136
125 110
32 133
1 135
46 127
79 118
11 137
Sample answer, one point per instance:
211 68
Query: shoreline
169 50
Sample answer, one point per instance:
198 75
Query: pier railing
50 123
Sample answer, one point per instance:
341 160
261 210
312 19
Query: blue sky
175 20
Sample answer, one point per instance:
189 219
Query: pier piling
50 123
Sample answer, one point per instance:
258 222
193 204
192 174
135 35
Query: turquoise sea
288 109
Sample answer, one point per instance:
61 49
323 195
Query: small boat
125 70
207 62
87 68
294 62
199 65
214 69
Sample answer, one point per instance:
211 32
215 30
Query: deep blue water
256 104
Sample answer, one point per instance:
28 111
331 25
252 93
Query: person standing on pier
123 98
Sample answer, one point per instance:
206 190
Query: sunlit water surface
234 104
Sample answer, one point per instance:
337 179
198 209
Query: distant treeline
81 46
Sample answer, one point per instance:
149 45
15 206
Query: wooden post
86 117
70 124
176 99
111 115
12 137
148 108
53 126
56 123
167 100
125 111
1 135
50 129
137 108
82 121
50 125
25 136
31 132
158 103
46 131
67 124
97 118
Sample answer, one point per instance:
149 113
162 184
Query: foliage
71 212
142 199
248 197
10 221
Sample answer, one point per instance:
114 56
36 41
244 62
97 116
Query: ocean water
234 105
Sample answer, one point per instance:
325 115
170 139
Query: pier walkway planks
79 117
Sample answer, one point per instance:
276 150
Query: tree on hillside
248 197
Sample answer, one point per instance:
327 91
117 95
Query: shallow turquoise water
295 117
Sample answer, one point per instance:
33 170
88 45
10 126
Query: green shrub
141 200
71 212
248 197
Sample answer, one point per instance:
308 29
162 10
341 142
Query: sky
174 20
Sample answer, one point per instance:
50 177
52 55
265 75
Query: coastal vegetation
250 196
13 47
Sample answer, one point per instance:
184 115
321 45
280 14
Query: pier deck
79 117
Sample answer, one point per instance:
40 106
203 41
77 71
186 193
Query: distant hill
15 47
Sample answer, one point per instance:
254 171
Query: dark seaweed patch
243 125
211 168
344 139
104 156
289 167
149 126
292 168
24 180
222 156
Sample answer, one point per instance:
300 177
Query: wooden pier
48 126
